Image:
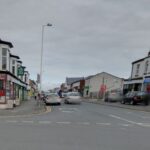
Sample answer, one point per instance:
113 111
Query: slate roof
69 81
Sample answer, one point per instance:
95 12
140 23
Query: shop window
4 58
1 84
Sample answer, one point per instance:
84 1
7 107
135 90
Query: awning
147 80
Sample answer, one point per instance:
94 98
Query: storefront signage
147 80
21 71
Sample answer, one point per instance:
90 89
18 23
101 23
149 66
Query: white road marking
11 121
44 122
67 111
63 122
105 124
120 118
144 124
26 121
126 125
84 123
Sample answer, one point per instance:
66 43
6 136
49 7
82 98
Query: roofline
108 74
77 81
19 61
7 43
14 56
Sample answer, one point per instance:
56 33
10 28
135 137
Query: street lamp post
41 64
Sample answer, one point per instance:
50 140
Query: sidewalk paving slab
27 107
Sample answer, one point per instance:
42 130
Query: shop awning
147 80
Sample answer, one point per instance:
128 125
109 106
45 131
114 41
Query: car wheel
123 102
132 102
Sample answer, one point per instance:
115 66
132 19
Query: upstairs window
13 67
146 66
4 58
137 69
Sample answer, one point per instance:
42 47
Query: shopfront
12 89
146 84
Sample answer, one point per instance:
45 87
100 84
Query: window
146 66
13 69
25 78
1 84
4 58
137 69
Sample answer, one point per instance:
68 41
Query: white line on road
120 118
26 121
104 124
44 122
126 125
63 122
11 121
65 111
83 123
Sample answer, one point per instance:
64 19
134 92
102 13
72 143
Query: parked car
136 97
53 98
113 96
72 98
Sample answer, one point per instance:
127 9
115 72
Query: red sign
2 76
103 88
2 93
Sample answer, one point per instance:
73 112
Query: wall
96 82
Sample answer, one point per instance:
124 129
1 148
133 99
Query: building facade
140 76
97 85
13 89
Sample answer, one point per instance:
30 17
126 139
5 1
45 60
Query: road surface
78 127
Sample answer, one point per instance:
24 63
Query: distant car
72 98
53 98
142 97
136 97
113 96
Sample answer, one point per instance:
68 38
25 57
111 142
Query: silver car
113 96
53 98
72 98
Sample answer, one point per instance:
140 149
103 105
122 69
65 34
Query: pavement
78 127
28 107
139 107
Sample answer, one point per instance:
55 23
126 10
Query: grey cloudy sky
87 37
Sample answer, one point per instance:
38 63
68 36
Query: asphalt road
78 127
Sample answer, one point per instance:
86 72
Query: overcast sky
87 36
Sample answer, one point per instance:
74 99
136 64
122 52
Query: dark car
136 97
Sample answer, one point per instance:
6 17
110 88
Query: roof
139 60
89 77
7 43
69 81
14 56
19 61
